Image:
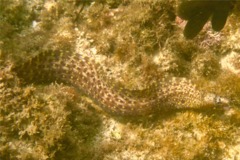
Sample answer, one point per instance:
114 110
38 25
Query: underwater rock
231 62
83 132
206 65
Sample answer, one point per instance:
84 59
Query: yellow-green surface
141 43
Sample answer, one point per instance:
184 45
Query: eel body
84 73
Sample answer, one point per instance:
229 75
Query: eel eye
218 100
221 100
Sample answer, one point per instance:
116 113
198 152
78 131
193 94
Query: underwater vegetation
70 72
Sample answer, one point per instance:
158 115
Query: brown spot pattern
82 72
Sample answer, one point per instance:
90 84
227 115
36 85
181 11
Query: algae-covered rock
142 51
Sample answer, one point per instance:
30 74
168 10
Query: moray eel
84 73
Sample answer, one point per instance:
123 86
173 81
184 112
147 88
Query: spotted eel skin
84 73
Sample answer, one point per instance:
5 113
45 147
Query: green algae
55 122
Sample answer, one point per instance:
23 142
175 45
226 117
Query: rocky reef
141 46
